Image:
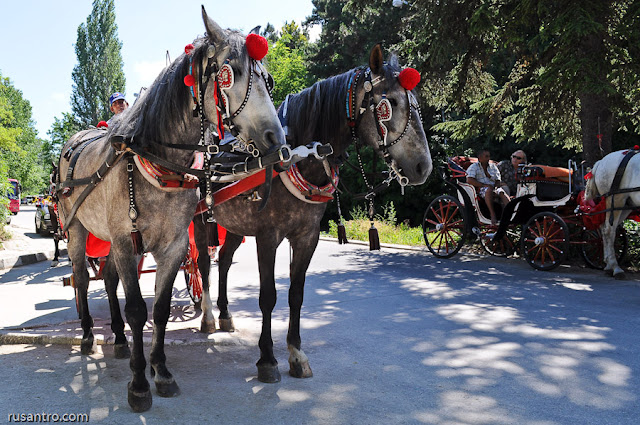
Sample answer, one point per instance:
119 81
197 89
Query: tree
61 131
99 71
349 31
565 71
20 147
286 64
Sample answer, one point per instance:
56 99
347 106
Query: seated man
485 177
509 168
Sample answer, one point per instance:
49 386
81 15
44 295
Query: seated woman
485 177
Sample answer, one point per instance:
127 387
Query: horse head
394 129
241 85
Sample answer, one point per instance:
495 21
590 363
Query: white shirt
476 171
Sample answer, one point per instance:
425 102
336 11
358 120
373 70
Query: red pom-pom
189 48
636 147
102 124
409 78
257 46
588 176
189 80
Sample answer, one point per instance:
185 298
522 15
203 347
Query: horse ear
375 59
256 30
214 31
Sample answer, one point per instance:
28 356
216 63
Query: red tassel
212 232
342 234
136 239
374 239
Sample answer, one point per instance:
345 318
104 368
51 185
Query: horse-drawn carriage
548 214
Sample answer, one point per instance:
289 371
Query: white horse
599 184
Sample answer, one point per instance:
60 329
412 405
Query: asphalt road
393 337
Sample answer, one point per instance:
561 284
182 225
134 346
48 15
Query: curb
12 261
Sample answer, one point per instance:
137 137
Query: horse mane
163 111
319 113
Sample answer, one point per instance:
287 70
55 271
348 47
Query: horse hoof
121 351
87 347
208 326
167 389
139 401
226 325
269 374
619 276
300 370
54 264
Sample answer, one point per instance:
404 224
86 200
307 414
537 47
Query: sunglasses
517 157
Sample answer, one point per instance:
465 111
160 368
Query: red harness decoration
165 177
309 190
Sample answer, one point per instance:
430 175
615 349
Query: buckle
213 149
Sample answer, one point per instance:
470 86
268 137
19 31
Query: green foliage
20 148
564 71
61 131
633 233
349 31
286 64
358 229
99 70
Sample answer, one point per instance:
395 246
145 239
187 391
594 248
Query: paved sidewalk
26 248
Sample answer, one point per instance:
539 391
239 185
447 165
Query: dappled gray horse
131 212
622 193
374 106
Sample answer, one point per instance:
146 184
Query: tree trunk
596 120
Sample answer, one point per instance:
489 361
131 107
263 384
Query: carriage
547 215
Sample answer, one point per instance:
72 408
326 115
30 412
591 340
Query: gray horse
123 203
329 112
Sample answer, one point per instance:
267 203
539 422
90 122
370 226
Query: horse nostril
270 138
423 168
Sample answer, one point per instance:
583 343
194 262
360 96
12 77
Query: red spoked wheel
504 247
593 250
545 241
444 226
193 279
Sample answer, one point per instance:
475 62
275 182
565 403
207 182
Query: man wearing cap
117 103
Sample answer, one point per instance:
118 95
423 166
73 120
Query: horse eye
393 102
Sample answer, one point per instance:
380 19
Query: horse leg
303 248
56 237
135 310
267 364
208 323
56 253
77 249
110 276
609 235
168 266
225 258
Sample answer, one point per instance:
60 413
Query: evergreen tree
564 70
99 70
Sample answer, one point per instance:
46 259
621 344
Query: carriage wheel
593 249
545 241
444 226
504 247
193 279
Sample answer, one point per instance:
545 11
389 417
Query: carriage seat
544 172
552 183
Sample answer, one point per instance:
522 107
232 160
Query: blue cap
116 96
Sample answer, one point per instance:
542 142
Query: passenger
485 177
508 170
